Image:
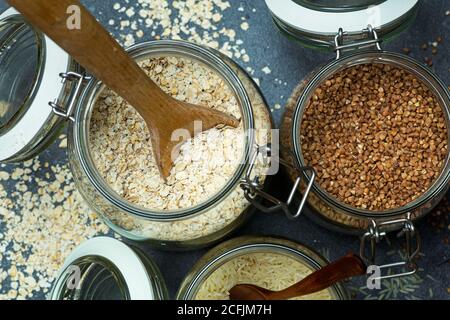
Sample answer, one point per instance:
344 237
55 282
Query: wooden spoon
346 267
96 50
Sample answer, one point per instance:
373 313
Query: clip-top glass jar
237 248
191 227
106 269
355 44
51 89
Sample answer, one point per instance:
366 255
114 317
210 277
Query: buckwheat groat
376 136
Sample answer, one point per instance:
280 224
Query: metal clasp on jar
253 187
376 233
67 113
340 46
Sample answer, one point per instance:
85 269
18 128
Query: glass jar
355 48
28 126
106 269
332 212
241 246
190 227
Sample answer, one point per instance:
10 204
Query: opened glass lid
20 57
104 268
317 22
30 64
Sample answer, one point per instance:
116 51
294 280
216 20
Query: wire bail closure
375 234
68 112
340 46
253 187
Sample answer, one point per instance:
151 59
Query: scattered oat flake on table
63 143
266 70
4 175
41 228
130 12
244 26
216 17
195 21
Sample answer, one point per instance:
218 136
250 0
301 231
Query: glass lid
103 268
20 58
317 22
30 65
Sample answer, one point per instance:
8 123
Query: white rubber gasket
328 23
39 112
123 258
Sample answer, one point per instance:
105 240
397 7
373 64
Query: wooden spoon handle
346 267
93 47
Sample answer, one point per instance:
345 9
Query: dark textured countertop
289 63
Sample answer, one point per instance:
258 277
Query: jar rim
124 264
188 50
244 245
61 288
381 57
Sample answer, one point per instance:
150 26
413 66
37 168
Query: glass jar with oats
213 181
268 262
202 200
372 124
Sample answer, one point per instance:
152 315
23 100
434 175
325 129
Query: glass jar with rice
271 263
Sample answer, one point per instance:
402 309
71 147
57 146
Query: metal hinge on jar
67 113
254 188
372 40
376 232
